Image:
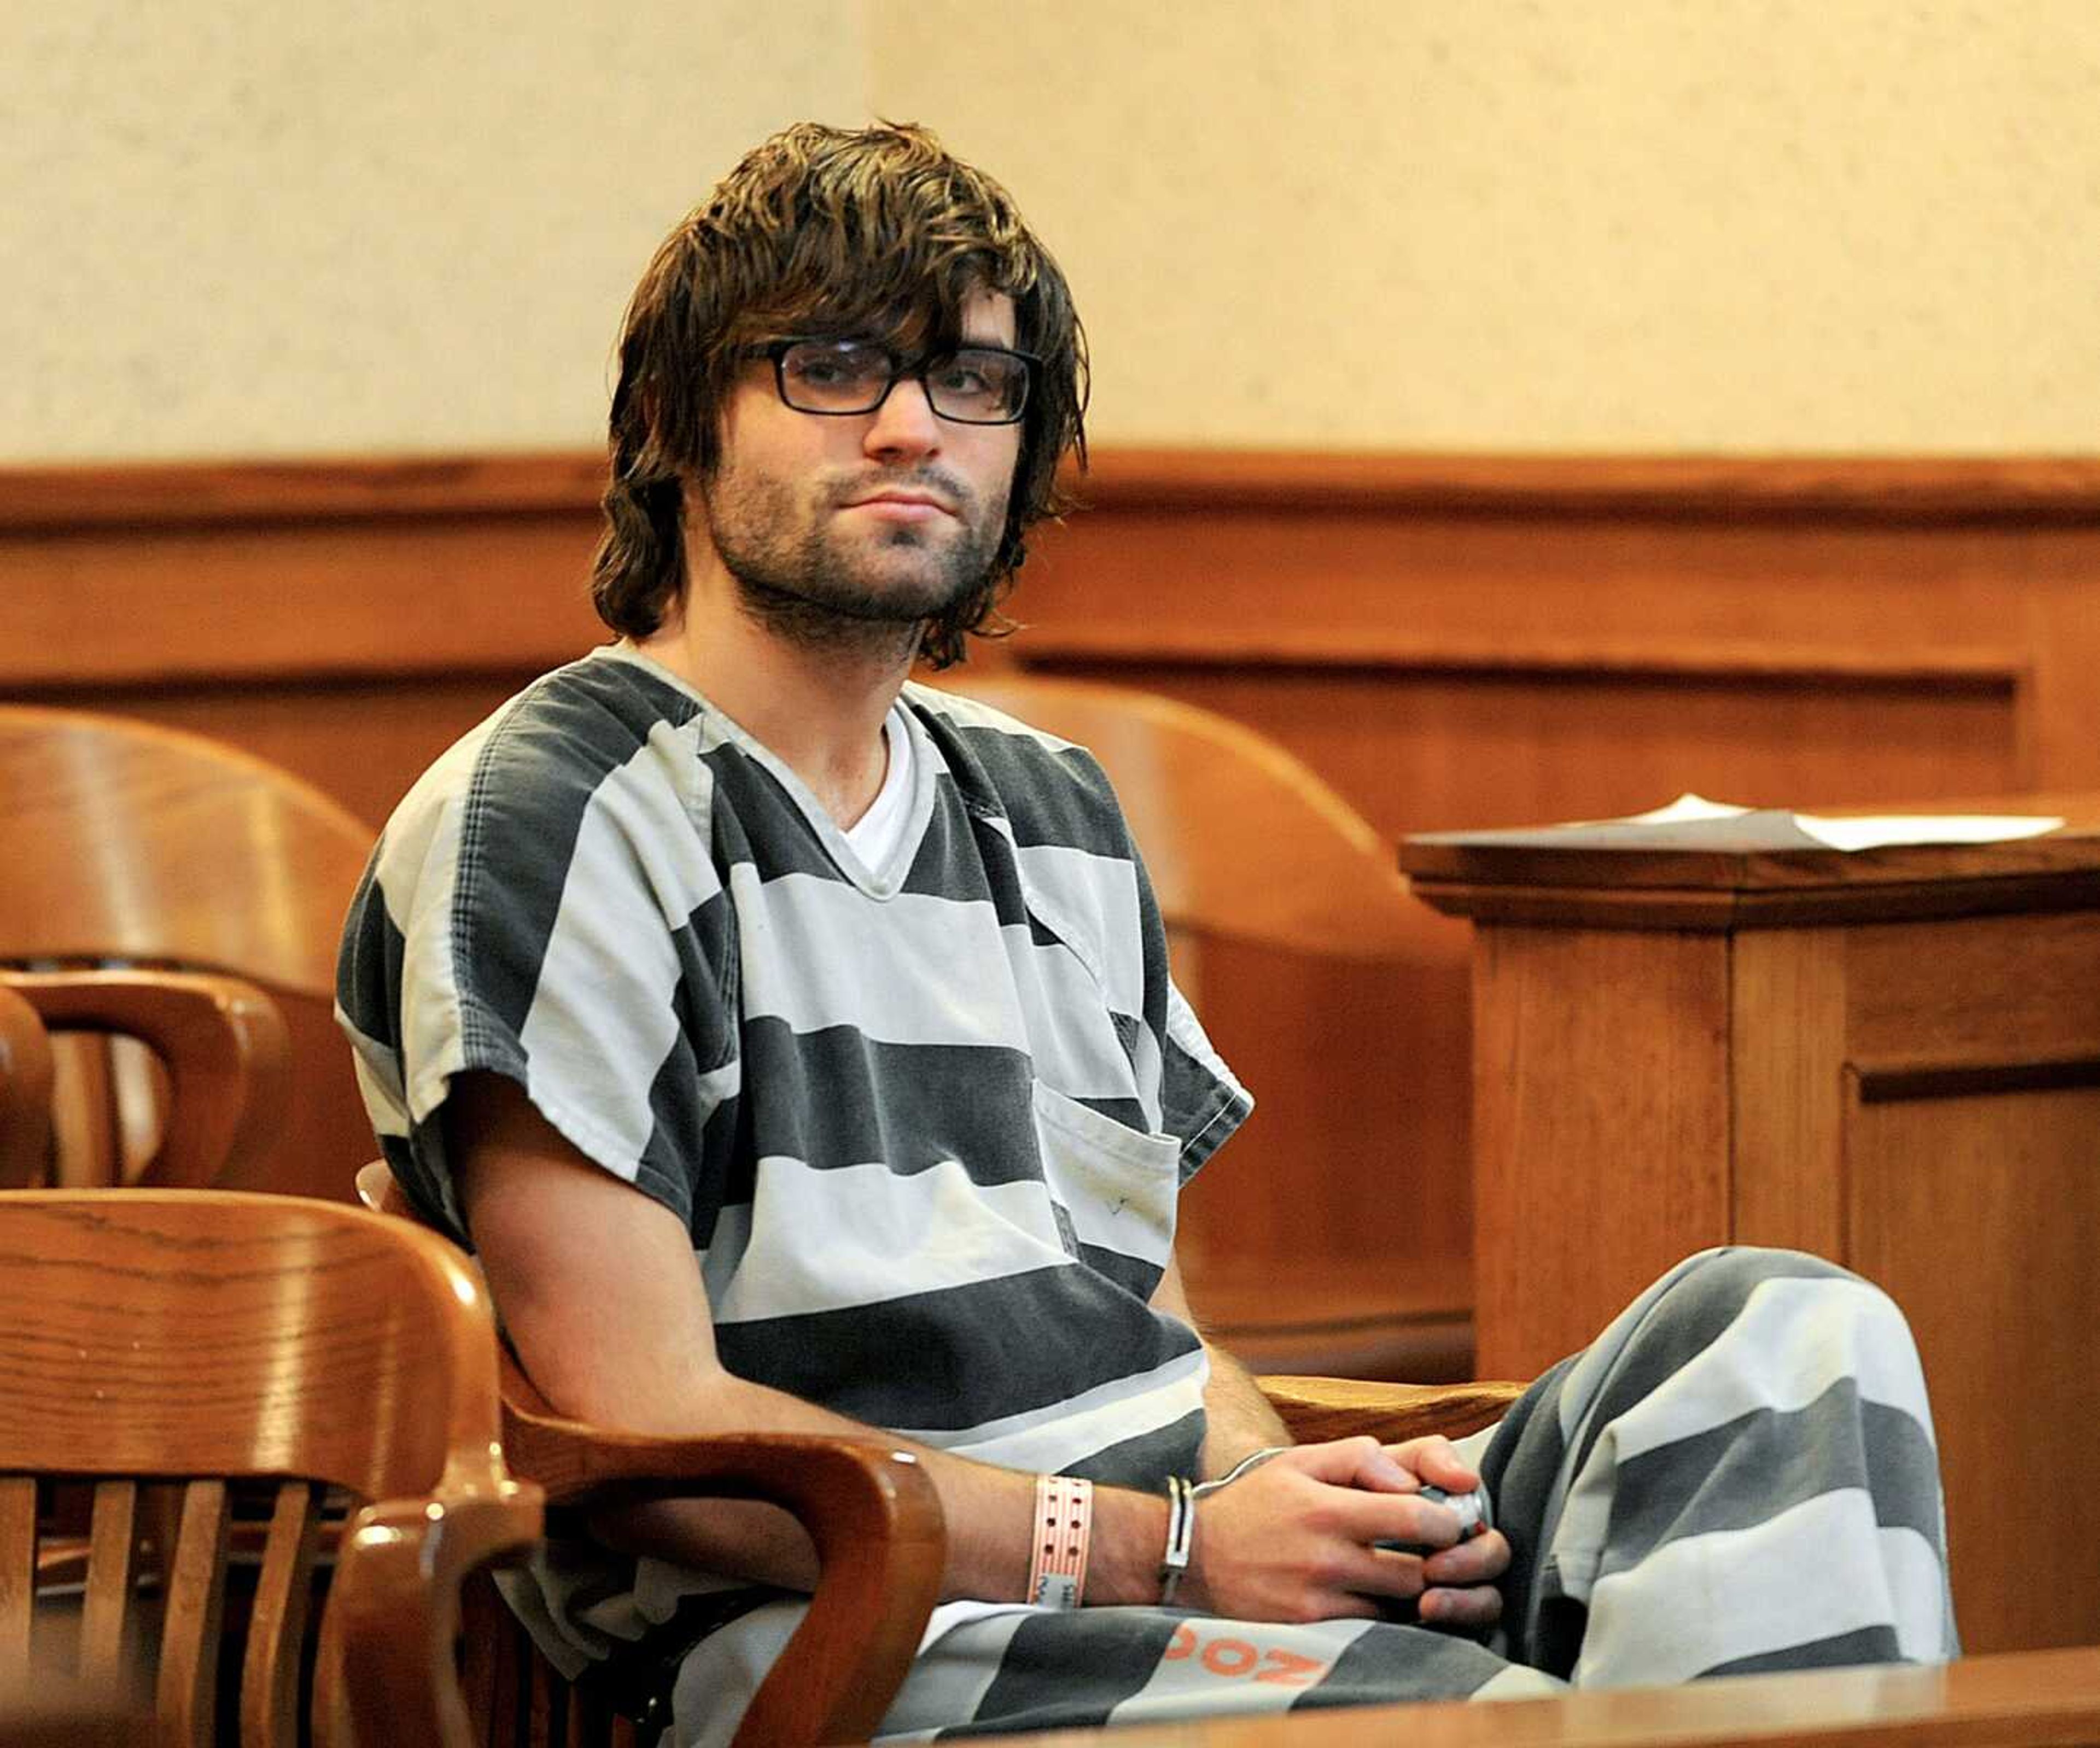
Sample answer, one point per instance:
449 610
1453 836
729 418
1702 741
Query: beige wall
1648 224
291 227
1737 225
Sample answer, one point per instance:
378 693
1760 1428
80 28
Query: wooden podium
1694 1034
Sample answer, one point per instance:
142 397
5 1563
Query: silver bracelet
1181 1496
1180 1536
1253 1461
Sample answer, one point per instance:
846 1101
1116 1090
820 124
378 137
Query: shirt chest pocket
1114 1185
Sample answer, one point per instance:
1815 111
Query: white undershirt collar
875 836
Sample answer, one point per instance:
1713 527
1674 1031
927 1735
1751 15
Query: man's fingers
1460 1594
1387 1572
1469 1610
1465 1607
1435 1460
1339 1502
1480 1560
1352 1462
1403 1517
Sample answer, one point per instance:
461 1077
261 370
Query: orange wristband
1063 1527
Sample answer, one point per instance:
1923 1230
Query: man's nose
905 423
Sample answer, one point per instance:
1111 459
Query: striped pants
1738 1475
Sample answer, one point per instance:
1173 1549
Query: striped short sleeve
542 907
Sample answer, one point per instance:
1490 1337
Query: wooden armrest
25 1091
386 1672
871 1510
875 1520
1318 1409
222 1041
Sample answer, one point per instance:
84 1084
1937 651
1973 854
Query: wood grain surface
1912 1089
2048 1699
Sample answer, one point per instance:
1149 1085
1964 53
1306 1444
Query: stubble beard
798 576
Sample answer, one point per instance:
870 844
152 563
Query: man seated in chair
794 1045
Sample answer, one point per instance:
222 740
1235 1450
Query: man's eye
836 367
959 379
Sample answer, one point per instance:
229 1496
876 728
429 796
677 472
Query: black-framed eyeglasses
972 385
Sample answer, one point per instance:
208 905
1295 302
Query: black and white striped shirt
925 1122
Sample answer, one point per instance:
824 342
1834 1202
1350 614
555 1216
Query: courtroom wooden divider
1452 642
1723 1032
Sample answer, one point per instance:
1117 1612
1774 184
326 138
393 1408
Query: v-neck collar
884 882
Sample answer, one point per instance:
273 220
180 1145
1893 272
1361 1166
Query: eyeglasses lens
973 386
979 386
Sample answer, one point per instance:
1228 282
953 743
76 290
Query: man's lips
911 505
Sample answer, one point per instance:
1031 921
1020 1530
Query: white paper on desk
1879 830
1868 831
1685 810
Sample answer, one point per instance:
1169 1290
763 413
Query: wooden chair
140 846
205 1340
873 1517
1247 846
218 1055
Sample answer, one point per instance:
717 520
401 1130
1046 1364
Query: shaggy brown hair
823 230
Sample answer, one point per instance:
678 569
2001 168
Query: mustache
935 482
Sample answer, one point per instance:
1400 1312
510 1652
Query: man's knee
1700 1298
1732 1273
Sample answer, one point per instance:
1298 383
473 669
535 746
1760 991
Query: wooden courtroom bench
1693 1035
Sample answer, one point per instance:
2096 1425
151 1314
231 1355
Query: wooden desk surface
1759 870
2024 1698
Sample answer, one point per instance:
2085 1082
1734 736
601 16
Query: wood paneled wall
1453 642
1458 643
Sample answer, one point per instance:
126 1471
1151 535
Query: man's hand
1459 1591
1293 1540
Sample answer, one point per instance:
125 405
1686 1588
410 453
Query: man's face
887 516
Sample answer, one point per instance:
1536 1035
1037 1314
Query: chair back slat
188 1691
25 1093
113 1548
108 1101
18 1570
277 1620
87 1129
544 1708
496 1668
